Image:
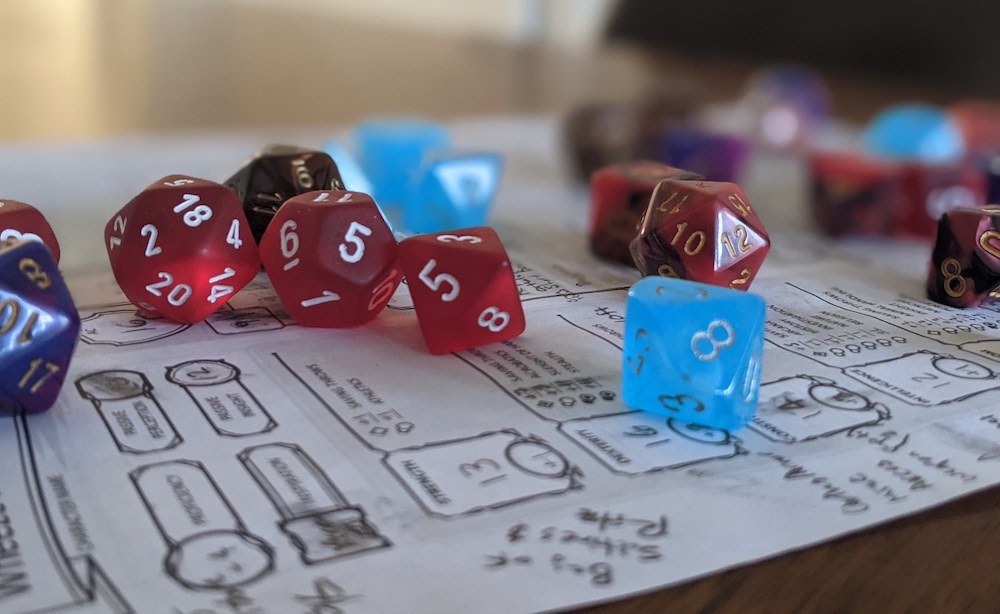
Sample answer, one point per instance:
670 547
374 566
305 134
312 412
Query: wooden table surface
124 66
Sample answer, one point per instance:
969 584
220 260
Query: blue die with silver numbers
693 351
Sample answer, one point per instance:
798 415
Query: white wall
562 23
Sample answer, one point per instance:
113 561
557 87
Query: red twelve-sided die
181 248
703 231
331 258
463 288
22 221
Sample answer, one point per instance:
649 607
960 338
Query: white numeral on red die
177 296
178 182
383 292
327 297
435 282
152 248
459 238
493 319
220 290
233 238
289 243
197 215
351 236
119 227
10 233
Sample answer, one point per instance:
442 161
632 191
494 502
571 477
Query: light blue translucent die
915 132
693 351
351 174
391 151
454 191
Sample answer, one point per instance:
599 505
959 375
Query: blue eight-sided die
454 191
391 151
693 351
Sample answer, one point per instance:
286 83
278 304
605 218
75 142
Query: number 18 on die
693 351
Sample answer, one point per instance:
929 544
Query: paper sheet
246 464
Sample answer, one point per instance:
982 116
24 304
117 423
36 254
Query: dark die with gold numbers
965 264
276 174
39 326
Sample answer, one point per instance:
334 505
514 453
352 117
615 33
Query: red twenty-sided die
181 248
463 289
331 258
619 195
703 231
22 221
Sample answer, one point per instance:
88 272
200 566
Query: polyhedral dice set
663 199
184 246
920 171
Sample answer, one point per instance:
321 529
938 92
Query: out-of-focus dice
932 190
693 352
703 231
391 151
965 264
855 195
979 123
601 134
331 258
276 174
915 132
463 289
990 165
718 157
181 248
619 195
351 173
22 221
39 326
787 104
453 190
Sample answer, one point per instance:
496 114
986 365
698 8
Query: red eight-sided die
463 288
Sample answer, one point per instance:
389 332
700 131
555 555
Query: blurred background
81 68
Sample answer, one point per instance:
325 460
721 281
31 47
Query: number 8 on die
463 289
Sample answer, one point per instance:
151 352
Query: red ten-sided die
22 221
463 289
181 248
331 258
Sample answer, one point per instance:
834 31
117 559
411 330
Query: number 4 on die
463 289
